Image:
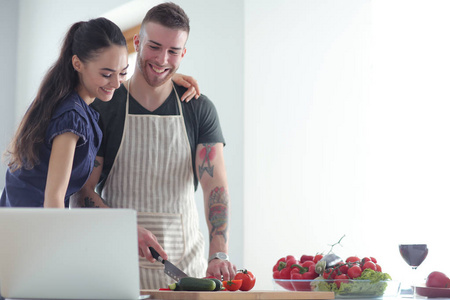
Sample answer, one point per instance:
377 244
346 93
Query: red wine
415 254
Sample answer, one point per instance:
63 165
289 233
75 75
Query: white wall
8 31
346 123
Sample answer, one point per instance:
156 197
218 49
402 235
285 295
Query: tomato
232 285
343 278
343 269
317 258
326 274
354 272
248 279
378 267
438 280
369 265
352 259
373 259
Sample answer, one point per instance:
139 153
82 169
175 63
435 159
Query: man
154 152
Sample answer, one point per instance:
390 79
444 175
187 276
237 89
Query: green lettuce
369 284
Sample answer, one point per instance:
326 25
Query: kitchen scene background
335 115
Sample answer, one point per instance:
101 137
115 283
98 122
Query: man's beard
152 80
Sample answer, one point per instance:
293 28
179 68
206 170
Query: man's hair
168 15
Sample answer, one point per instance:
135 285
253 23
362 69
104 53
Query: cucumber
197 284
218 284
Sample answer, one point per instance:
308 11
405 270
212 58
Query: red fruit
317 258
327 273
373 259
232 285
437 279
248 280
308 263
378 267
369 265
352 259
343 278
343 269
304 258
354 272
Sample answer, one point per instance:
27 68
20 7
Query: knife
169 268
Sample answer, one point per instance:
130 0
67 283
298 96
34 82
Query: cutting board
226 295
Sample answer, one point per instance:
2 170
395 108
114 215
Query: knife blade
169 268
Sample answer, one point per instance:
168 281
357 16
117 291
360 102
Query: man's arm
210 168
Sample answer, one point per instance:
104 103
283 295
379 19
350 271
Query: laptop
69 253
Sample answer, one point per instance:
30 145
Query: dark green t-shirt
200 117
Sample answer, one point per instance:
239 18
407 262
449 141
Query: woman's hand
189 82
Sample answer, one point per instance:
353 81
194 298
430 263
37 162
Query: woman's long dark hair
84 39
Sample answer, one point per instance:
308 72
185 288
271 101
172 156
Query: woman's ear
76 63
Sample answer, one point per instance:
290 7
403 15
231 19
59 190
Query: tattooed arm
210 167
87 197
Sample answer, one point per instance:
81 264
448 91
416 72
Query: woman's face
103 74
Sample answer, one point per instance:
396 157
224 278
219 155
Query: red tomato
354 272
343 278
317 258
378 267
369 265
232 285
437 279
248 279
352 259
373 259
343 269
326 274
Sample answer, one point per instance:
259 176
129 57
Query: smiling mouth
107 90
158 70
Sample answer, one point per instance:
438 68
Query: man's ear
183 53
136 42
76 63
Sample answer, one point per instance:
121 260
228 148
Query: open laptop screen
68 254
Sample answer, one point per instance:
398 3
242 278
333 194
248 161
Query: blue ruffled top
25 188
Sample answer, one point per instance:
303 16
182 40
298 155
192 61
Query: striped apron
152 174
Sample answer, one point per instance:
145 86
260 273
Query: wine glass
414 255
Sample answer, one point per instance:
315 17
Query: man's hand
147 239
221 269
189 82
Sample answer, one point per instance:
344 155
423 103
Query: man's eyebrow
158 44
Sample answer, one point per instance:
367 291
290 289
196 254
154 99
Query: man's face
159 52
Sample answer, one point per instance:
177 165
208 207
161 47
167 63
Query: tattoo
218 212
96 163
89 203
207 154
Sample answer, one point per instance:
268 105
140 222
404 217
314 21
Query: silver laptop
68 254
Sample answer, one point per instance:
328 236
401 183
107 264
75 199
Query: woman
52 153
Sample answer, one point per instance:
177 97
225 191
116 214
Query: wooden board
225 295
